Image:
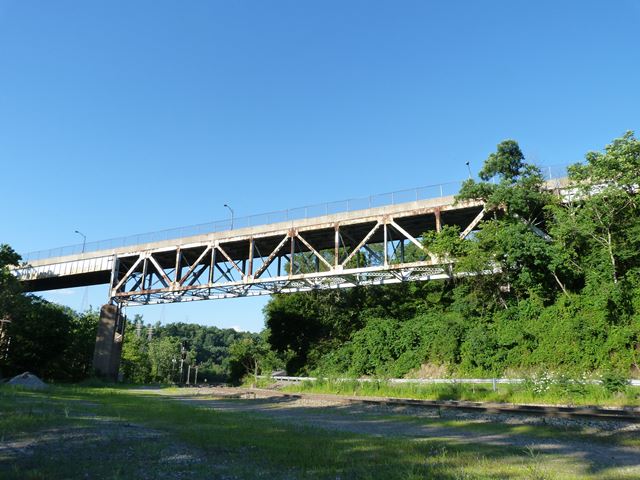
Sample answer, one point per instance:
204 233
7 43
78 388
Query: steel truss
367 251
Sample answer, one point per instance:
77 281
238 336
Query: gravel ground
414 422
105 448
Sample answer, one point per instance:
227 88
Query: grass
81 432
553 394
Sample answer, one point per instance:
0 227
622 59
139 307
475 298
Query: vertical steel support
115 272
436 212
178 275
293 249
386 235
249 272
212 265
336 247
144 273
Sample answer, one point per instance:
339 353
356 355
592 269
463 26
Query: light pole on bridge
231 210
84 239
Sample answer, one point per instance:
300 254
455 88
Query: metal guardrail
380 200
430 381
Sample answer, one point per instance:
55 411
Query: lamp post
84 239
85 295
231 210
469 168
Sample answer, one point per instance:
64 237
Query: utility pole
183 354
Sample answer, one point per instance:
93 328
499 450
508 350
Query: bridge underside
376 246
374 250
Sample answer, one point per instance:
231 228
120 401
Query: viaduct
368 241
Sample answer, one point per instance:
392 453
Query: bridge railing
379 200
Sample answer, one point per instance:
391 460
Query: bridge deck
246 257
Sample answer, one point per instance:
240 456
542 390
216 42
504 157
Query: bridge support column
106 356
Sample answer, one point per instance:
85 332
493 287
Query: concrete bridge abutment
109 338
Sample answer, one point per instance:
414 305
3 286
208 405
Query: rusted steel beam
293 251
363 242
313 250
114 274
406 234
195 264
336 246
271 257
384 245
473 224
225 255
301 282
249 272
163 277
224 274
178 273
129 272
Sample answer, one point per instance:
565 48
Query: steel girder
371 251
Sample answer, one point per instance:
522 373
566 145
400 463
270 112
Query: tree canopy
549 280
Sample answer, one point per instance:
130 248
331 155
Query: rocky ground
587 439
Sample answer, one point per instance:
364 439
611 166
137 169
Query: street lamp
84 239
231 210
469 168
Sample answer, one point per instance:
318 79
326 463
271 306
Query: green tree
134 362
162 353
81 341
598 228
249 354
9 285
40 334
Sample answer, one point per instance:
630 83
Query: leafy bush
614 382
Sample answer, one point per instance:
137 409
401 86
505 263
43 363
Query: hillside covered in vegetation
564 294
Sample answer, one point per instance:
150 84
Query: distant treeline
565 295
57 343
156 353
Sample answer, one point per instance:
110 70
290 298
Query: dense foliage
49 340
57 343
549 280
157 353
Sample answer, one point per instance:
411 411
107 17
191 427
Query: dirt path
385 421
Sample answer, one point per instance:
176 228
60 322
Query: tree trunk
256 373
564 290
613 259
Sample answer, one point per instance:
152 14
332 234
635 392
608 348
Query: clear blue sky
122 117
